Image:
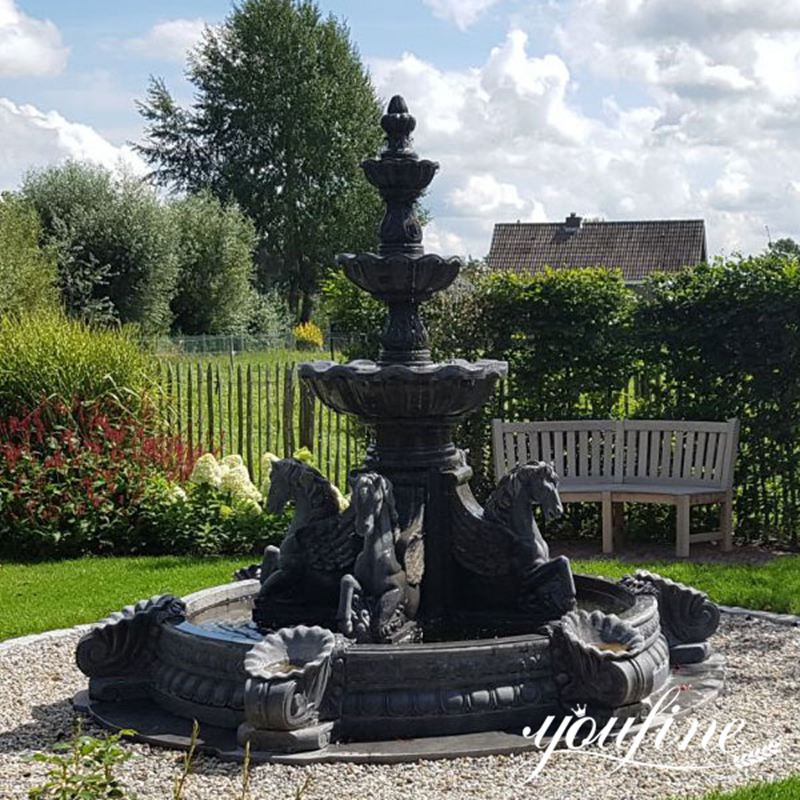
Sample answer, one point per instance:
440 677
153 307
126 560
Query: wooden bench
631 461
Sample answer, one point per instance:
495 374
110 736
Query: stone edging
789 620
33 638
768 616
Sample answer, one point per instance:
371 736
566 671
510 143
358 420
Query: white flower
207 471
234 460
236 481
178 494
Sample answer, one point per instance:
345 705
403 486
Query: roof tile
638 248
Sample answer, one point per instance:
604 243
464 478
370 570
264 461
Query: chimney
572 224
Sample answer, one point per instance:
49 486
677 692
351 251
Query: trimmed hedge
710 342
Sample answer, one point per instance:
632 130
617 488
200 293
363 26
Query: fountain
415 623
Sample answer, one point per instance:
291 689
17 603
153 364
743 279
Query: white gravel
38 679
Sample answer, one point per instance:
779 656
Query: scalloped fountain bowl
400 277
323 697
443 391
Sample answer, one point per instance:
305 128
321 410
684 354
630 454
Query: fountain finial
399 125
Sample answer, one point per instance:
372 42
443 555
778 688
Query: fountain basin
374 692
397 278
446 391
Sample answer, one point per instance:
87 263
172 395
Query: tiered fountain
415 623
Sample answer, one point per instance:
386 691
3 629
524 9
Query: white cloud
484 194
705 125
169 40
441 241
32 138
28 46
461 12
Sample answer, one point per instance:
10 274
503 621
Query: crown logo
579 711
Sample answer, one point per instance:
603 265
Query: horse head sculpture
292 480
511 504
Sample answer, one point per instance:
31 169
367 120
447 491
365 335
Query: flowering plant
71 476
230 476
308 336
219 512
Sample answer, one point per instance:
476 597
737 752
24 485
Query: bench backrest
622 451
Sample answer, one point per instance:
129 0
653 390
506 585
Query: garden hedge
710 342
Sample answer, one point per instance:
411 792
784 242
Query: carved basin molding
443 391
300 688
688 618
400 277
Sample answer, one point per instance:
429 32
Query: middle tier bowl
447 391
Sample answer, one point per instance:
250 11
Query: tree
215 265
784 247
284 113
113 242
27 272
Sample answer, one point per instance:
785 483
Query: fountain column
410 402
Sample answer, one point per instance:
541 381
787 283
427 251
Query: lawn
788 789
39 597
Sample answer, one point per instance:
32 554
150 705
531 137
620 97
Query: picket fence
252 409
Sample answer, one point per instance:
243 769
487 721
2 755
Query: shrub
113 240
723 340
269 315
308 336
71 477
355 317
215 244
218 512
201 520
47 356
27 271
567 335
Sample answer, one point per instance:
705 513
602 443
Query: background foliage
284 112
113 244
214 251
722 341
27 271
712 342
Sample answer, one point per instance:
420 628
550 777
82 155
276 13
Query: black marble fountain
415 623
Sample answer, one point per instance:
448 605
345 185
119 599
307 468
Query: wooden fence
252 409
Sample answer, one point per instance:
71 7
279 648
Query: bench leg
682 527
726 523
608 524
618 523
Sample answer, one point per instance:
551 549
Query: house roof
638 248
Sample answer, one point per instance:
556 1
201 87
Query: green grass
788 789
774 586
271 357
39 597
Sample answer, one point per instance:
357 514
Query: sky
614 109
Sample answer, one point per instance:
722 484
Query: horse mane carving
505 539
320 545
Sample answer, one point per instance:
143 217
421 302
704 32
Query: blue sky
617 109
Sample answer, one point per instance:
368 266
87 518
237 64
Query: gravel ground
38 679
